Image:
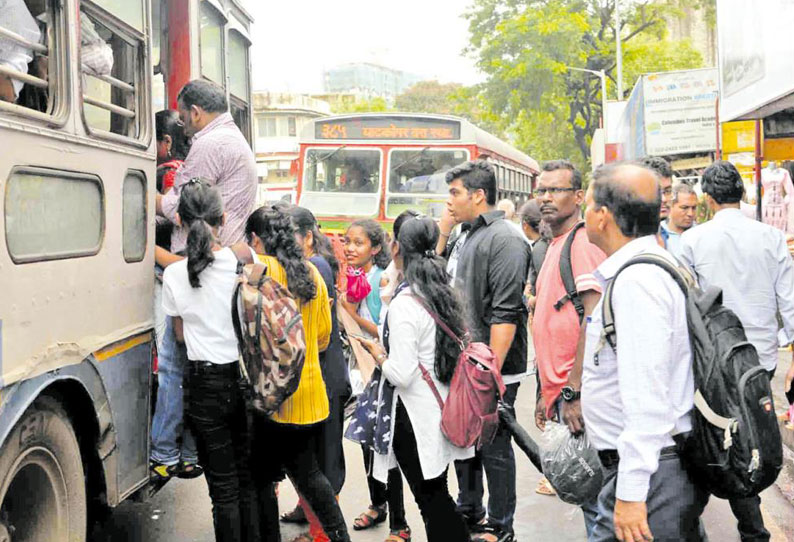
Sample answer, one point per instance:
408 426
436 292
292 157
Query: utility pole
618 50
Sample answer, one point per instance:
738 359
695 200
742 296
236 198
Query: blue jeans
499 463
167 424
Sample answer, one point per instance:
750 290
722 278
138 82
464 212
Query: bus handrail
109 107
22 110
112 81
13 36
24 77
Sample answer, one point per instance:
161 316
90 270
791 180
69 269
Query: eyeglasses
541 190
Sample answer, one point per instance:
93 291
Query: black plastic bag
571 465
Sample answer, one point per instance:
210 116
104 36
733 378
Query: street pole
618 50
602 74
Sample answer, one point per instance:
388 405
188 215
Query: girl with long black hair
196 294
287 440
411 339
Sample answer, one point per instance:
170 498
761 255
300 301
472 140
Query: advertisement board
680 112
755 52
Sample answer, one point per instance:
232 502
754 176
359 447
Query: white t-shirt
205 311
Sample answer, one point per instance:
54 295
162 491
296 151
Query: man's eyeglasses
541 190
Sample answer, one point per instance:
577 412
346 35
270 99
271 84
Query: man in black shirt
491 275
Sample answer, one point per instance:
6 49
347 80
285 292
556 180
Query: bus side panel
127 380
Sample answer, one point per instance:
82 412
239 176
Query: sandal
303 537
366 520
544 487
295 516
399 535
160 472
188 471
491 533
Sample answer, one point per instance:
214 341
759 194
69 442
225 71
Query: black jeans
391 492
499 463
282 448
443 523
747 511
217 415
330 453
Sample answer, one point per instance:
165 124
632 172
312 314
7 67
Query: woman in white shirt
197 293
412 338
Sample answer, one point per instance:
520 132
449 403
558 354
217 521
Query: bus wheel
42 487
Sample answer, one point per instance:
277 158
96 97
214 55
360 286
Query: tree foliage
428 97
525 48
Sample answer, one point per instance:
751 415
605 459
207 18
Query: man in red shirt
558 318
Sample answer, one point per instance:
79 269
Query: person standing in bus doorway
169 457
196 294
491 275
219 154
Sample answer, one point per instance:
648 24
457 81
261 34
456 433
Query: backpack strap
568 280
427 378
444 327
243 254
609 333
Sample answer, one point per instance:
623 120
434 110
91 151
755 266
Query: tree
525 47
428 97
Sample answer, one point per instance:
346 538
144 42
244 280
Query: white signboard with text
680 112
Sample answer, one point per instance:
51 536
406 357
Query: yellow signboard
738 136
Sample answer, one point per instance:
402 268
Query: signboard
370 128
755 52
680 112
738 136
631 134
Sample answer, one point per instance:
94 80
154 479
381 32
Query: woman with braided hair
286 441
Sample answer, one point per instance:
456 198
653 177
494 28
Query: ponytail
201 209
426 273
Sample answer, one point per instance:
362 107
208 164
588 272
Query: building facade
278 120
368 80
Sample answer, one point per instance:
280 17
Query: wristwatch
569 394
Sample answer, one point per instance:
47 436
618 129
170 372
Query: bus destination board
387 128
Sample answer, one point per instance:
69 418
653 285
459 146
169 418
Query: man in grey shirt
750 262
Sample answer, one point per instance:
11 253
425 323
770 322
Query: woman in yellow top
287 441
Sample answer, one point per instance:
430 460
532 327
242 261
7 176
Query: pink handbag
470 414
358 287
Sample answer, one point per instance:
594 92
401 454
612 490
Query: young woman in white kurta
417 443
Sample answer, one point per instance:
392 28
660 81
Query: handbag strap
439 321
427 378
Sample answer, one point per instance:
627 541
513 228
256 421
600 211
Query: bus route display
388 128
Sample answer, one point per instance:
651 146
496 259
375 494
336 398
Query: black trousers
216 412
330 453
442 521
391 492
291 449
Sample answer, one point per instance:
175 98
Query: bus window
211 44
27 77
339 181
52 214
420 171
112 66
133 216
238 82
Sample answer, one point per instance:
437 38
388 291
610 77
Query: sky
294 41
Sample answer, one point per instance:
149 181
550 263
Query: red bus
376 165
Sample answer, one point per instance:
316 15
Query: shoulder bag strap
566 273
445 328
429 379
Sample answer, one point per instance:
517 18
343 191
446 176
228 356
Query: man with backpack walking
639 393
566 292
491 275
718 253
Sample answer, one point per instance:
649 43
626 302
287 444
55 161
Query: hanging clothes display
778 192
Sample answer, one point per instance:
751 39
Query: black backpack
734 449
568 280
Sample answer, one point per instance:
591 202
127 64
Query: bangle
380 358
442 234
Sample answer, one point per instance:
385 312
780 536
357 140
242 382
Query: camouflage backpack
270 334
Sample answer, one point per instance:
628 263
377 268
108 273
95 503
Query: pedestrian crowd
413 302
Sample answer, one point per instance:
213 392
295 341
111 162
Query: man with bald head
639 394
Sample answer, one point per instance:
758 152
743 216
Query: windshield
419 176
341 181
